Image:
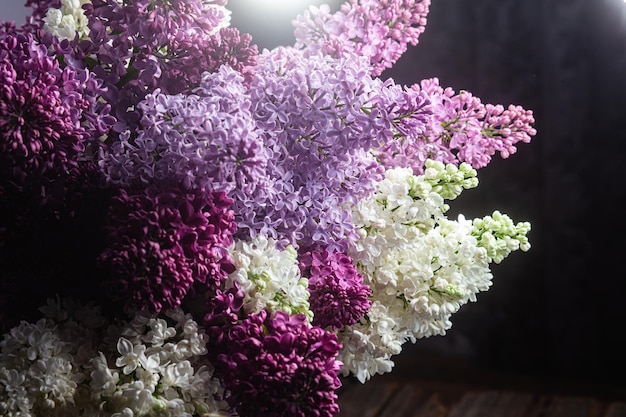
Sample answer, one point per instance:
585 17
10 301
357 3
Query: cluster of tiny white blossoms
421 266
159 369
500 236
43 365
269 277
148 367
68 20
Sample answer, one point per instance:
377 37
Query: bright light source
289 8
270 21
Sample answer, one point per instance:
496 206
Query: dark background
557 310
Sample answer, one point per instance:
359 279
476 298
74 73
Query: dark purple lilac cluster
338 295
161 244
47 117
143 45
278 366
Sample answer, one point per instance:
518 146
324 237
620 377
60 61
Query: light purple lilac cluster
159 136
378 30
320 117
313 118
206 140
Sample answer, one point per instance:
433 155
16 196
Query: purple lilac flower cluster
143 45
278 366
39 10
311 119
319 118
47 116
338 295
178 240
136 154
207 140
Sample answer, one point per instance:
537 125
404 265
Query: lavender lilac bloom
377 30
319 118
206 141
262 222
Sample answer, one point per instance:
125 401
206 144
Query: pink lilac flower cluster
462 129
144 142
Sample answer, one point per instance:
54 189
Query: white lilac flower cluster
269 277
67 21
44 365
158 369
500 236
150 366
421 266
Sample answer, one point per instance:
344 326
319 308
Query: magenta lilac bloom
40 114
234 49
338 296
280 366
162 243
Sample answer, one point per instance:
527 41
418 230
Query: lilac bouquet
190 226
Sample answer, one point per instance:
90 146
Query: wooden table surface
387 397
428 385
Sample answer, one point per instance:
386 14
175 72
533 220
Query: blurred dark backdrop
557 310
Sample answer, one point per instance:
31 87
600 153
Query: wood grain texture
409 398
